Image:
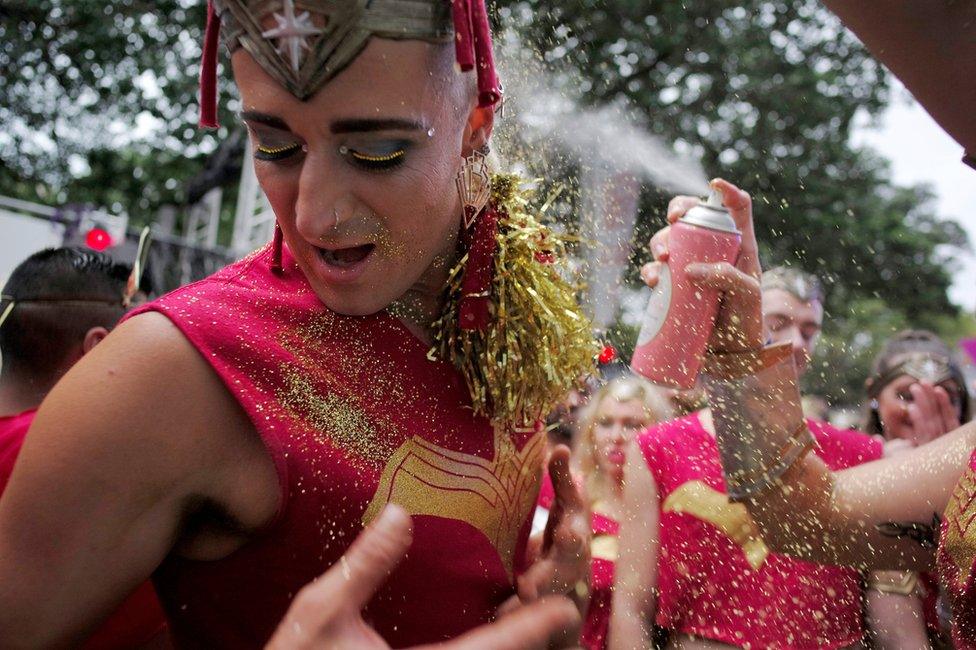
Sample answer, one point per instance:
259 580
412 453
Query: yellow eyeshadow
277 150
385 158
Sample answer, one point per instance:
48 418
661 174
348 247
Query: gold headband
921 366
313 40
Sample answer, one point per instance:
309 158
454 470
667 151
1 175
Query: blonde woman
608 424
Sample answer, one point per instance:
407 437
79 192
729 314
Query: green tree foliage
766 93
100 106
100 101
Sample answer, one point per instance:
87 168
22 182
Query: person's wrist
758 418
734 343
737 363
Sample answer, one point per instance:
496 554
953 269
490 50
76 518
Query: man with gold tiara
395 344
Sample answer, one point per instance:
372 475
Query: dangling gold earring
474 185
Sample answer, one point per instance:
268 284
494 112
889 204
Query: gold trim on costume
604 547
732 519
960 514
903 583
495 496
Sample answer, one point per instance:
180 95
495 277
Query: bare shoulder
145 401
113 476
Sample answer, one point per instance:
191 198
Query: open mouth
617 456
344 258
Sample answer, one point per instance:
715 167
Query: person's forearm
875 516
630 628
930 46
853 517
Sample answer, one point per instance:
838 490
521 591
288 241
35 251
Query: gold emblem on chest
960 515
494 496
604 547
732 519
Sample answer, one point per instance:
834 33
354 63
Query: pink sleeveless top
716 577
603 553
354 416
957 557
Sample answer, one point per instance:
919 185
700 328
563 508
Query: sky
921 152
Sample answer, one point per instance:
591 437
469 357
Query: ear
93 337
477 131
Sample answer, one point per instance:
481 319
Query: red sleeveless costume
354 415
957 557
716 577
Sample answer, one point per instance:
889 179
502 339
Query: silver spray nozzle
715 199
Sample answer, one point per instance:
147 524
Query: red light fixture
608 354
98 239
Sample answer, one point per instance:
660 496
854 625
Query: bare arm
635 573
133 435
931 47
834 518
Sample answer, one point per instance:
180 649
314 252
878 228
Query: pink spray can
680 315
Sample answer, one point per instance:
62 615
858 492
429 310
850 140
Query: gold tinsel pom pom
538 343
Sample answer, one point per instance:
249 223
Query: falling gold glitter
335 419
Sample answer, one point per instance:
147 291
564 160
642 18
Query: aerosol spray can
680 315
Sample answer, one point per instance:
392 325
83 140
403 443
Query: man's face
786 318
361 176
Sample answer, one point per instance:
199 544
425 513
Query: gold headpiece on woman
311 41
921 366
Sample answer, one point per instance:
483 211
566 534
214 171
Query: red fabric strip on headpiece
489 91
473 312
208 70
463 39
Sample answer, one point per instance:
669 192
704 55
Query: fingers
722 276
947 412
659 244
924 413
369 561
567 492
531 626
651 273
679 205
511 604
739 204
736 200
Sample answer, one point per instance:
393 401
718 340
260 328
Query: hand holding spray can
680 315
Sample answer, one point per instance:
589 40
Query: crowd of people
340 440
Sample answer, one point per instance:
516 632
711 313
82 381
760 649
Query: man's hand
738 327
327 612
560 558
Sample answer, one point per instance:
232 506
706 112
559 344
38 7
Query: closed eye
262 152
381 159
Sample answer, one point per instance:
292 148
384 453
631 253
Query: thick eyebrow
340 126
364 126
264 118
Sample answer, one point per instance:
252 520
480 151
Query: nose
322 203
797 340
619 433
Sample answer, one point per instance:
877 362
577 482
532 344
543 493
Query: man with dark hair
59 303
56 306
